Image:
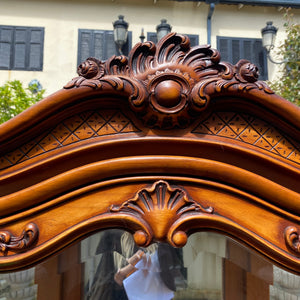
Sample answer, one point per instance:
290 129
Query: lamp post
142 36
268 38
120 32
163 29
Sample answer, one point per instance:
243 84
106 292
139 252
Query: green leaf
14 98
288 84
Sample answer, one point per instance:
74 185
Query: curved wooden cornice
163 143
192 77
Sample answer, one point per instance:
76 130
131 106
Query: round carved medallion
167 93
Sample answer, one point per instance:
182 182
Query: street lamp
268 38
163 29
142 36
120 32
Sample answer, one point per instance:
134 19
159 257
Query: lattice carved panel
80 127
250 130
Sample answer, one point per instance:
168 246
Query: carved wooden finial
169 83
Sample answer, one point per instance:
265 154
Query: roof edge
277 3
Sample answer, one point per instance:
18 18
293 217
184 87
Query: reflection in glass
18 285
125 270
108 265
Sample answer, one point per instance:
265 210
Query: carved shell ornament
170 83
159 208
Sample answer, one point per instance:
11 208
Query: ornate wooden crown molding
170 83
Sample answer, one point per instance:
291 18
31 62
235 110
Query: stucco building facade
42 39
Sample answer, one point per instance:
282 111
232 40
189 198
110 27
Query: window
234 49
194 38
21 48
99 44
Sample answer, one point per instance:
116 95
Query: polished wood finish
165 143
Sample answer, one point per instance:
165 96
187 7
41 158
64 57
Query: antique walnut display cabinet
168 173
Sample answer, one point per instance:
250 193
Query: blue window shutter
21 48
99 44
110 45
194 38
85 38
20 42
236 51
233 49
151 36
6 45
259 58
35 48
224 48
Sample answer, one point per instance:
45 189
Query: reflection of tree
288 83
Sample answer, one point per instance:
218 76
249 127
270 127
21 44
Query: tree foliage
288 84
14 98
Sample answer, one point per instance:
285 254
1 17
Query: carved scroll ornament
292 239
168 84
160 207
28 237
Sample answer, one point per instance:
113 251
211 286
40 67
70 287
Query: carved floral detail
168 84
28 237
292 238
160 206
90 72
91 68
246 72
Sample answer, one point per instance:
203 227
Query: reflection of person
130 268
104 285
121 259
171 266
146 282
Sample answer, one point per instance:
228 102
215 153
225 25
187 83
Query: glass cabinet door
108 265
